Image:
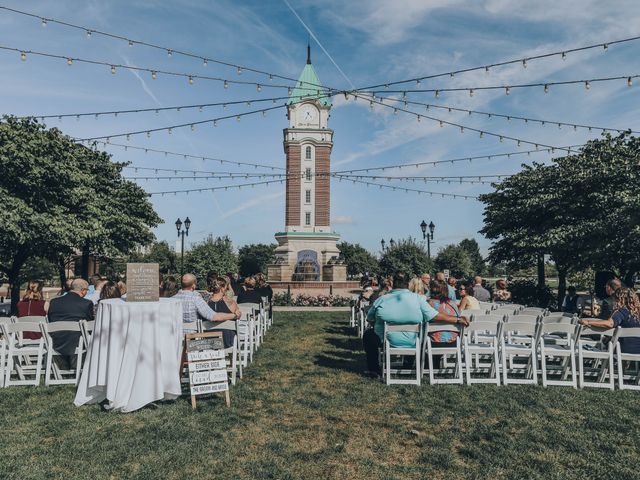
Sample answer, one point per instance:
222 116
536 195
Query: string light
507 90
629 82
226 84
154 74
88 33
239 71
190 80
169 53
44 22
204 62
130 43
23 56
113 69
587 85
524 63
258 87
546 88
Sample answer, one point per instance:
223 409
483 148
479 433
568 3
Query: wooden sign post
143 282
207 365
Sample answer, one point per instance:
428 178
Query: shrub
526 292
304 300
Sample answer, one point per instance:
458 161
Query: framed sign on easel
207 365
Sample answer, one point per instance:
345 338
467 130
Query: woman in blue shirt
626 314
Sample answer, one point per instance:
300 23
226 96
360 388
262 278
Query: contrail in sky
319 44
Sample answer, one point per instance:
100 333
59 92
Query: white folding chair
559 317
17 356
524 346
388 370
61 376
234 363
29 319
505 310
488 305
361 322
470 312
3 348
86 328
533 311
253 309
352 318
489 347
634 380
452 349
554 349
598 354
245 338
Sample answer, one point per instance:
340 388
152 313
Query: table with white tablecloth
134 354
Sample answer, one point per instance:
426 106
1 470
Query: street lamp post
187 224
382 244
427 236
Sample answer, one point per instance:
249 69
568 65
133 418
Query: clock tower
307 247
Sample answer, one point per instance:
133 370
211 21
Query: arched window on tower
307 153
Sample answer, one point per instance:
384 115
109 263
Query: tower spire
308 53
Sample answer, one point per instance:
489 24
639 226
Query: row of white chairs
558 350
23 360
250 331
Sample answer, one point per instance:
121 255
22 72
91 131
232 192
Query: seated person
570 302
467 300
364 300
33 304
71 307
451 290
169 287
194 307
399 306
220 302
248 292
416 286
441 302
626 314
501 294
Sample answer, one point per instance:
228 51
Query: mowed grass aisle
303 410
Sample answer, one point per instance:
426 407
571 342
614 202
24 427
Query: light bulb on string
190 80
154 74
224 106
546 88
507 90
226 84
587 85
486 69
605 46
88 33
215 123
258 87
148 136
238 118
69 61
169 131
205 62
564 55
629 82
113 69
524 63
131 43
200 108
471 92
441 124
44 22
169 53
481 134
23 56
239 71
437 94
270 77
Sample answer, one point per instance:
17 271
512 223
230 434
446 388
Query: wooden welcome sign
143 281
207 365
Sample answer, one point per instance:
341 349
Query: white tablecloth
134 354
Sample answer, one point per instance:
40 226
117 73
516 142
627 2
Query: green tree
211 255
470 245
254 258
60 197
408 256
162 254
358 259
456 259
583 210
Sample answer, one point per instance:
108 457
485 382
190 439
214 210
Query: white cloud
257 200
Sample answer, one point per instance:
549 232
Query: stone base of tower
307 257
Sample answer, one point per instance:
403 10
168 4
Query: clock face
309 114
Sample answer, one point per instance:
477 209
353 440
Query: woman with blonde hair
626 314
33 304
416 286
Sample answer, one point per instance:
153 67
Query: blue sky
372 42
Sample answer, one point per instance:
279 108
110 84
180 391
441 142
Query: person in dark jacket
71 307
607 304
248 293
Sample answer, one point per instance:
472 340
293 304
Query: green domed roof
309 86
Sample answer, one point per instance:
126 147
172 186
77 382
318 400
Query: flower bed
304 300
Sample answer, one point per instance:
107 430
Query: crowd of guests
404 300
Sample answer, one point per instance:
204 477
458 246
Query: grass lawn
304 410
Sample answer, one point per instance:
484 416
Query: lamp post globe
187 224
392 243
382 244
432 227
178 225
423 227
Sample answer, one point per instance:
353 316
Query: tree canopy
254 258
408 256
456 259
211 255
60 197
358 259
582 209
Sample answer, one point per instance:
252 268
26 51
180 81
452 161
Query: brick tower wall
322 184
294 182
